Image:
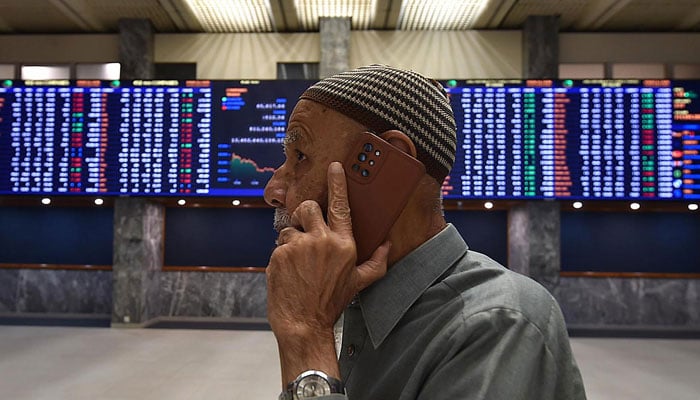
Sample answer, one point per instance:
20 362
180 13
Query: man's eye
300 156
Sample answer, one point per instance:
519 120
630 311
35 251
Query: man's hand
312 276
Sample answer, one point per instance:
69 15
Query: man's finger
286 235
373 269
308 216
338 207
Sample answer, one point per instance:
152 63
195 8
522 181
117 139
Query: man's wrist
312 350
310 384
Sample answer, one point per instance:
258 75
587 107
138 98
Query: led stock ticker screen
590 139
516 139
151 138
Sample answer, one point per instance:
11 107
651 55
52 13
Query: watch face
312 386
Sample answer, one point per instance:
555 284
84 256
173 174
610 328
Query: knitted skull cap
384 98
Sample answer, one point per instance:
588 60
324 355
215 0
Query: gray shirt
450 323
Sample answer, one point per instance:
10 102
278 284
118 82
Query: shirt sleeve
499 354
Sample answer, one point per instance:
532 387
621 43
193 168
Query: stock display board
516 139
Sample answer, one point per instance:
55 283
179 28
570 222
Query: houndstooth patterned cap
384 98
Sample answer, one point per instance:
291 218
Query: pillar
534 227
335 45
139 224
534 241
541 47
136 48
137 260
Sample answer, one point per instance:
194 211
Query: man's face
316 136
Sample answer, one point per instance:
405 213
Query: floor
102 363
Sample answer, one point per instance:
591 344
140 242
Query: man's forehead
310 121
295 135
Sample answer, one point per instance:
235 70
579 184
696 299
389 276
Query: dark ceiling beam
79 15
597 13
386 14
691 22
494 15
284 16
4 26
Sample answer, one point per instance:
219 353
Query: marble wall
176 294
213 294
586 302
601 302
55 291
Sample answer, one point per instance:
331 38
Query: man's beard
282 219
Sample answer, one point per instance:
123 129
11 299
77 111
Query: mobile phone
380 180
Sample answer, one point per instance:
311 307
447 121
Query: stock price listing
591 139
516 139
153 138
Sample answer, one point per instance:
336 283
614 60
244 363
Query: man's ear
399 140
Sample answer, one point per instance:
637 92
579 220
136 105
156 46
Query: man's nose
276 189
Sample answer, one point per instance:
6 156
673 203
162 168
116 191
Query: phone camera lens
365 173
356 167
362 157
377 153
371 162
368 147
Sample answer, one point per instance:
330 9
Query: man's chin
282 219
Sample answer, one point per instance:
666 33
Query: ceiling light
488 205
223 16
99 201
361 12
181 202
692 207
635 206
577 204
440 14
46 201
236 202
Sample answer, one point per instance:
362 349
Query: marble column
541 47
335 45
136 48
534 241
139 227
138 223
534 227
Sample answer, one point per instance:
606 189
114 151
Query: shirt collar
387 300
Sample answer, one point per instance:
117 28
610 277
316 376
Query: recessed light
181 202
224 16
46 201
692 206
236 202
440 15
360 12
577 205
635 206
99 201
488 205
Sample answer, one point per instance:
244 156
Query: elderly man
424 317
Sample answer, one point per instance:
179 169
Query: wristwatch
312 384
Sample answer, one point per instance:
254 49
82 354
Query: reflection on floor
102 363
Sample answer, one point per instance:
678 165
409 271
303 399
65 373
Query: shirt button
350 350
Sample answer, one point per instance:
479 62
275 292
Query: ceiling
173 16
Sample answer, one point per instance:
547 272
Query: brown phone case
380 181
